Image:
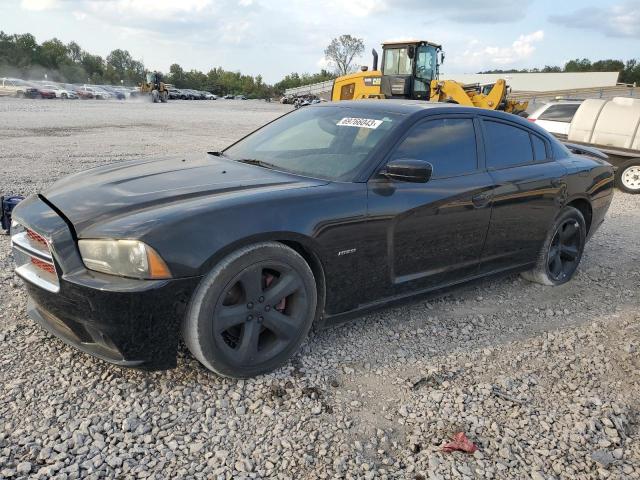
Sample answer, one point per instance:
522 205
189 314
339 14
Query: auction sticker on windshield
359 122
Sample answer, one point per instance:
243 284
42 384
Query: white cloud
322 63
149 9
38 5
466 11
520 49
358 8
622 20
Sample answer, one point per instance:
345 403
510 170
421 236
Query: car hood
105 193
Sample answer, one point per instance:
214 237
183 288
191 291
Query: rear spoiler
584 150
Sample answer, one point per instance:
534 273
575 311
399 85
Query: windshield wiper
259 163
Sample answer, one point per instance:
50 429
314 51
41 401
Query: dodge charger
325 212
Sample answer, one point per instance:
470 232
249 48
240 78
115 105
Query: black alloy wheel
260 312
252 312
561 251
564 251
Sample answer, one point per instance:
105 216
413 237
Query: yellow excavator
155 87
410 69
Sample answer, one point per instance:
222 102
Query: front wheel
628 176
155 96
252 312
164 96
561 251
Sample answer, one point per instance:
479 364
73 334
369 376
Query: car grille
34 261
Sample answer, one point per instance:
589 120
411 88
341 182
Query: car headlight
126 258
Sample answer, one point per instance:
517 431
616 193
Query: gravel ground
543 380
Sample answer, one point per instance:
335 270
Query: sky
276 37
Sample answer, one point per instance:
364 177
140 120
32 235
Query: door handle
481 200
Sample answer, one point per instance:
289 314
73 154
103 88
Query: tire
266 322
628 176
155 96
561 251
63 96
164 96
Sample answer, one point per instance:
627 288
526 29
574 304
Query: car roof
408 107
414 107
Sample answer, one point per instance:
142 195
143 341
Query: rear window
539 149
560 113
506 145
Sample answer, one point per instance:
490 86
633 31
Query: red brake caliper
268 280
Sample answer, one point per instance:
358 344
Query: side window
539 149
559 113
449 144
506 145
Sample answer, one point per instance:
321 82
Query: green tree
53 53
341 53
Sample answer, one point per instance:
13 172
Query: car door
421 236
529 189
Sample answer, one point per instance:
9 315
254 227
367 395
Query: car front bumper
138 326
129 322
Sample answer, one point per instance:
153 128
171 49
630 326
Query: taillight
531 119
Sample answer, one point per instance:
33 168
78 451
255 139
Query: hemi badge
346 252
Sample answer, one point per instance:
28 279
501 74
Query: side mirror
408 170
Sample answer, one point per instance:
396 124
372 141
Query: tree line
629 70
22 56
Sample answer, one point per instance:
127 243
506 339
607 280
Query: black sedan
323 213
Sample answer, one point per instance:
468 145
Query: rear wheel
63 96
164 96
628 176
562 250
155 96
252 312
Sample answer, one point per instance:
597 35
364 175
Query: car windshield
328 142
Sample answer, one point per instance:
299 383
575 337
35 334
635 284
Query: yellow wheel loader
410 70
155 87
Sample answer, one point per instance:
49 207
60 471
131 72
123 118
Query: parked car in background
118 94
60 91
175 94
102 93
33 90
241 97
229 96
556 116
83 92
12 87
376 201
188 94
89 92
209 96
